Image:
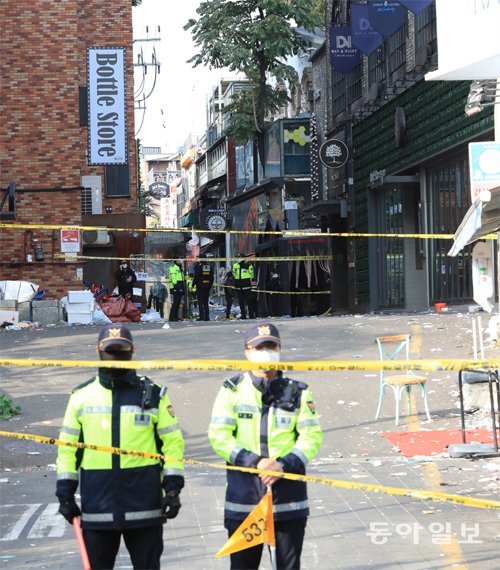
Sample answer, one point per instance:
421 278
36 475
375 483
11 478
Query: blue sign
364 37
343 55
416 6
386 16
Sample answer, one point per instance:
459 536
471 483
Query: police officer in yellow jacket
120 494
244 273
177 290
263 420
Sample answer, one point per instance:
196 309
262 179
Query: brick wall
44 149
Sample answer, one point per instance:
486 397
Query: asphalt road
347 529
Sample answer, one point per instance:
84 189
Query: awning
481 219
188 219
324 206
263 186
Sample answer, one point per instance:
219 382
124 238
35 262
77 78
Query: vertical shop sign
343 55
107 132
364 37
386 16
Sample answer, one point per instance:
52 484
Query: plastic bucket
439 307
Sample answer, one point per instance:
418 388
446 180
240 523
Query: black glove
170 505
69 510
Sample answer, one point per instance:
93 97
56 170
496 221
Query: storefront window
449 185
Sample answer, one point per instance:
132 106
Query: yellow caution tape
414 493
283 233
279 292
75 257
237 365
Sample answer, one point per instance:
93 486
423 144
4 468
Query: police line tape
283 233
76 257
278 292
245 365
371 488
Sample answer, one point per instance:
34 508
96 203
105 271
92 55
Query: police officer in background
121 494
203 280
263 420
176 284
243 273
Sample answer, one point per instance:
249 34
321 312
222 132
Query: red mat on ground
434 442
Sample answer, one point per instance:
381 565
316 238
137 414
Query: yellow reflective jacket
243 275
120 491
253 418
176 278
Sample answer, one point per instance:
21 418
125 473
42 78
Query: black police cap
115 335
255 335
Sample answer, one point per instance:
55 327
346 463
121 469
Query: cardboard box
80 297
80 318
80 307
11 317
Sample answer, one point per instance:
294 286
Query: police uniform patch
142 419
171 411
312 407
245 415
283 421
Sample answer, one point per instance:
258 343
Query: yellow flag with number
257 528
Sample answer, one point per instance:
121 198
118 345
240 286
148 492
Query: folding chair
401 382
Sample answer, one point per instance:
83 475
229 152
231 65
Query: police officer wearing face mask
125 278
263 420
121 495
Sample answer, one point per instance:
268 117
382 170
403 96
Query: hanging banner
416 6
386 16
107 132
364 37
343 55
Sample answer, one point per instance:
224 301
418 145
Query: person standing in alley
243 273
125 279
177 290
228 283
264 420
121 495
158 294
203 280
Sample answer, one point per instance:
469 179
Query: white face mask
123 266
263 356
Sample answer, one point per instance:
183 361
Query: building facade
44 142
407 171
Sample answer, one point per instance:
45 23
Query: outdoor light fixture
482 94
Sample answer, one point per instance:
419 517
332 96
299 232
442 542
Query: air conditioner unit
96 237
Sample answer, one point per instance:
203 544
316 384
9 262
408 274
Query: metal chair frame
399 382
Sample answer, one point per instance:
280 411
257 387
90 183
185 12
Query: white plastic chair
400 382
